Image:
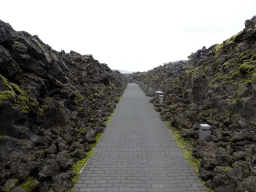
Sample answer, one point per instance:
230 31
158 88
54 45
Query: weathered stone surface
78 153
49 169
19 170
9 185
9 127
64 160
63 181
248 184
90 136
11 148
18 190
222 182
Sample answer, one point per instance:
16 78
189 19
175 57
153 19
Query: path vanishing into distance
137 153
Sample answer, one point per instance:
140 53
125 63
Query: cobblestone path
137 153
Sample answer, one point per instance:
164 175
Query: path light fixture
204 131
157 93
161 99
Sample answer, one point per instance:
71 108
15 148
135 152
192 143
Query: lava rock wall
216 86
52 106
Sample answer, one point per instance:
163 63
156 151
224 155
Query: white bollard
204 131
157 93
150 89
161 99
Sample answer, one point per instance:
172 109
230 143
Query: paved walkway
137 153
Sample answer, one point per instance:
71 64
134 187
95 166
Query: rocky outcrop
52 106
215 86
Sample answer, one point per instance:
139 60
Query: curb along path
137 153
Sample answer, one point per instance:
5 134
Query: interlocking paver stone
137 153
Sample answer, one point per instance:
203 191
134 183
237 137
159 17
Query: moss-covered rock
10 185
30 184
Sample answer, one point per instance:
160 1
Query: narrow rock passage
137 153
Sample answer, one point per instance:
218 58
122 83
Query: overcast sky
134 35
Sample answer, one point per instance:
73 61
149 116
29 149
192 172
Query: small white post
204 131
161 99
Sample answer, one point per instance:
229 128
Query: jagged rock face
215 86
162 77
52 105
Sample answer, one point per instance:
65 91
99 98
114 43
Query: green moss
9 185
82 109
61 107
174 83
250 55
184 89
106 122
227 168
172 106
119 97
254 27
189 71
246 67
227 41
5 83
218 77
254 75
186 146
47 100
228 114
230 62
247 57
1 136
5 95
226 65
74 159
241 55
19 97
235 74
78 97
233 38
91 97
81 130
18 89
244 81
29 185
254 57
218 47
80 164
